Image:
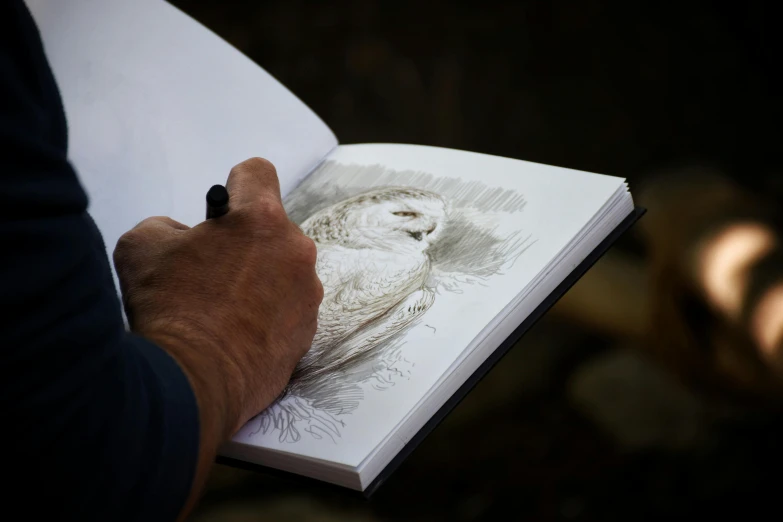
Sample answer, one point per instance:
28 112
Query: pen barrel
216 212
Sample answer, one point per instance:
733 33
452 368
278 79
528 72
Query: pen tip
217 196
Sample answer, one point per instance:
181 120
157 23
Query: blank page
159 109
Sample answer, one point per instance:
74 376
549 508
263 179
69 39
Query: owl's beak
418 235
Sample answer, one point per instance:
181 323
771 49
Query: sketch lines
389 244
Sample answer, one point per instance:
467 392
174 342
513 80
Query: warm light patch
767 321
725 260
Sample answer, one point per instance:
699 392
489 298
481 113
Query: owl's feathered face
400 219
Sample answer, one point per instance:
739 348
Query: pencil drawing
389 242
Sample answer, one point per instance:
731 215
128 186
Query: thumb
252 181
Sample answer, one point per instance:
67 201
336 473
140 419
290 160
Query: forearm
103 424
215 381
109 423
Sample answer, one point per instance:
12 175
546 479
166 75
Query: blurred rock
637 403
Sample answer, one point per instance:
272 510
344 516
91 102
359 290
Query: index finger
253 180
162 222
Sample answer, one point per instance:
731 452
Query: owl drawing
373 264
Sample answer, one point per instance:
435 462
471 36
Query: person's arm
100 423
234 300
97 423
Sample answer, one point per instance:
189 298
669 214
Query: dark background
618 87
615 87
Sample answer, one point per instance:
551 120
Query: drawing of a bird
373 264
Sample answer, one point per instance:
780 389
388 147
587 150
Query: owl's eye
406 214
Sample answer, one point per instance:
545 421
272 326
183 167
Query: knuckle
236 169
126 244
254 164
265 213
307 250
148 222
257 163
270 210
135 237
318 292
302 256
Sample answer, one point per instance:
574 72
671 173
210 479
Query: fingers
251 181
162 222
144 237
155 228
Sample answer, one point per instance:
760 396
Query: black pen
217 201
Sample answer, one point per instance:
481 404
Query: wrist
215 377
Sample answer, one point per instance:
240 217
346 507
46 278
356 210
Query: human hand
234 299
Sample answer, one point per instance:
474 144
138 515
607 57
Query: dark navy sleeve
97 424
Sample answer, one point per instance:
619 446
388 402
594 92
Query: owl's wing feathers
360 287
355 348
389 325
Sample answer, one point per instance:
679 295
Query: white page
159 109
535 210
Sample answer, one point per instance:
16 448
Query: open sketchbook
430 258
